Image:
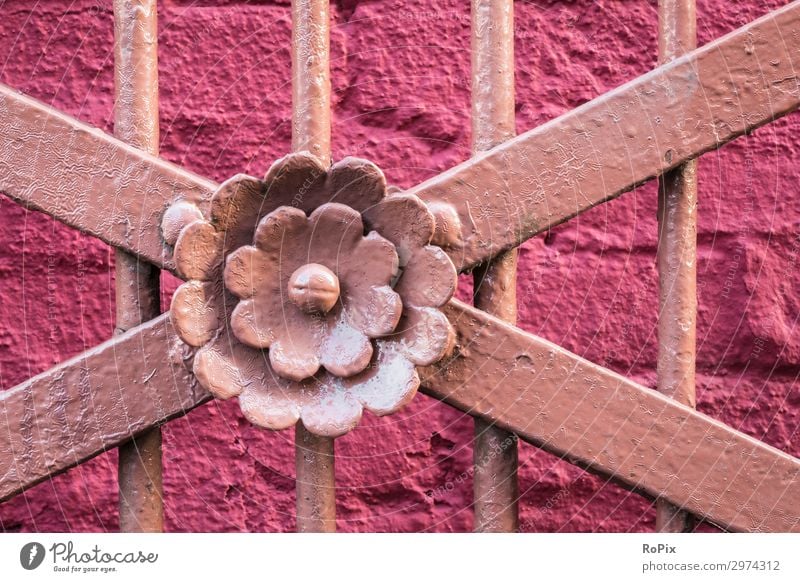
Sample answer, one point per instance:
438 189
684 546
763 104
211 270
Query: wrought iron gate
318 291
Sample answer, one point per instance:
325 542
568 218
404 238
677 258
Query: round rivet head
314 288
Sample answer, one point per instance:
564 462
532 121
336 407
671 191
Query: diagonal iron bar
627 136
88 179
597 419
548 396
92 403
525 186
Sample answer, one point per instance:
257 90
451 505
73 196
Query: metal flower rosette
312 294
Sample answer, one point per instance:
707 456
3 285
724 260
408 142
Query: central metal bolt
314 288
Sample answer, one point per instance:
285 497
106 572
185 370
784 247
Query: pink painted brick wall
401 98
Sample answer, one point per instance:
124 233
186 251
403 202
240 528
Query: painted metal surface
549 397
677 255
629 135
616 428
80 408
495 485
288 352
501 198
311 131
595 418
311 78
316 485
88 179
138 298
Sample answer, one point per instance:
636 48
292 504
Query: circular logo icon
31 555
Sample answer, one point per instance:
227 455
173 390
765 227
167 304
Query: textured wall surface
401 98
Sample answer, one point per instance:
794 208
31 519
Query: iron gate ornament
617 427
311 317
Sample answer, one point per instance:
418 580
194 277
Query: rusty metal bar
634 133
138 296
88 179
553 399
677 255
495 486
311 131
80 408
597 419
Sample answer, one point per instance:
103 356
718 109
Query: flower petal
332 410
225 367
372 262
271 402
198 251
449 231
424 335
249 328
429 278
357 183
196 312
375 311
346 350
388 385
248 270
268 315
404 220
238 200
284 223
296 358
336 230
297 179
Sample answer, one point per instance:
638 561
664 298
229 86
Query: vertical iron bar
311 131
311 78
141 507
316 495
493 121
677 255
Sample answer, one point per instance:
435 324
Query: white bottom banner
380 557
